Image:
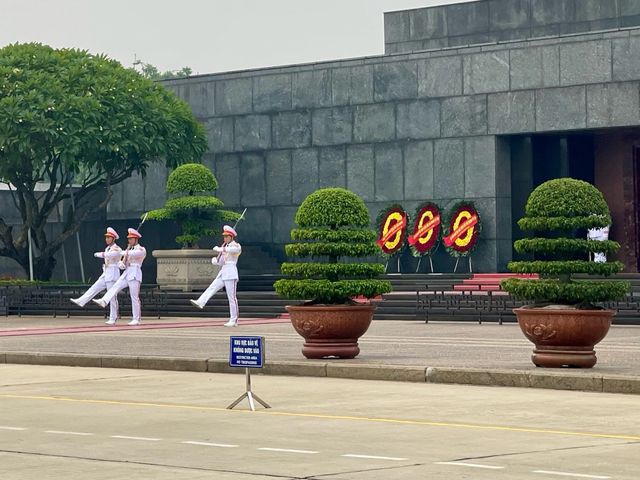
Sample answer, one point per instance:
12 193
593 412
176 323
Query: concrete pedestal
186 269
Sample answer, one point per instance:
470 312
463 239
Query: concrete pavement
467 353
60 422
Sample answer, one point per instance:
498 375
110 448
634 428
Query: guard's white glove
98 254
121 265
217 249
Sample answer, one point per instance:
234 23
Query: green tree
69 118
562 206
153 73
333 224
196 212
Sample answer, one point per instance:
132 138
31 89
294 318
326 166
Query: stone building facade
481 101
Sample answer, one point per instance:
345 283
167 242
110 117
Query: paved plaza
469 353
76 423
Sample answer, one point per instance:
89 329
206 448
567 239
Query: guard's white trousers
230 286
134 293
100 285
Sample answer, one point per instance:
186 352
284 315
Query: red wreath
426 229
463 229
392 229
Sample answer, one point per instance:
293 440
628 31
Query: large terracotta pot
331 331
564 338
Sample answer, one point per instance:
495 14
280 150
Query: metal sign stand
249 395
247 352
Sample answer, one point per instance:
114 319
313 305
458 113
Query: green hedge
27 283
338 249
541 224
561 267
328 292
565 205
333 223
332 270
573 292
565 245
326 235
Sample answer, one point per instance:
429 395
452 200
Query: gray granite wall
403 128
490 21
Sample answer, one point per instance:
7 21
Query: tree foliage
564 205
334 224
197 213
71 118
152 72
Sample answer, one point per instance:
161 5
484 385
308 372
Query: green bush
332 208
334 223
197 213
565 205
17 282
190 179
564 245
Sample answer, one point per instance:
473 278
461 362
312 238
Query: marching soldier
131 263
110 274
228 255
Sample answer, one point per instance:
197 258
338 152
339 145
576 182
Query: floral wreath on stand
427 226
462 229
391 225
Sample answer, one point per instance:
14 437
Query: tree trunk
43 267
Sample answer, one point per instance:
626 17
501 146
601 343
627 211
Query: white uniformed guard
228 255
110 274
131 263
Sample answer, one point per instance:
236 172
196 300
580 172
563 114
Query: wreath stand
420 261
455 268
386 266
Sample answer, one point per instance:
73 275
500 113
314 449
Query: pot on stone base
331 330
186 269
564 337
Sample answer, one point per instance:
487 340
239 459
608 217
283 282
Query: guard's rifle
241 217
125 253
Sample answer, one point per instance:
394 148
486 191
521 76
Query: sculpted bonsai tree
72 120
563 206
193 208
333 224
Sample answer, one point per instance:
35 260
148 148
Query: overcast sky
206 35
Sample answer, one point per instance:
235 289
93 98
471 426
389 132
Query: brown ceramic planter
331 331
564 338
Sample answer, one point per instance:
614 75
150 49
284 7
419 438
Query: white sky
206 35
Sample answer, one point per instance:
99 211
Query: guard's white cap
133 233
227 230
112 233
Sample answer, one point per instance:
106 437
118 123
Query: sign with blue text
246 352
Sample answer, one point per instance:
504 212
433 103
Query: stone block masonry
491 21
416 126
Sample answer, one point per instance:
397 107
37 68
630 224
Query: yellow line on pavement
396 421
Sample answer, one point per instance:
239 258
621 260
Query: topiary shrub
333 224
195 212
564 205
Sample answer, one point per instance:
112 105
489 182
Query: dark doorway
538 158
608 159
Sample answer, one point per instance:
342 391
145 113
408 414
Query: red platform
489 282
